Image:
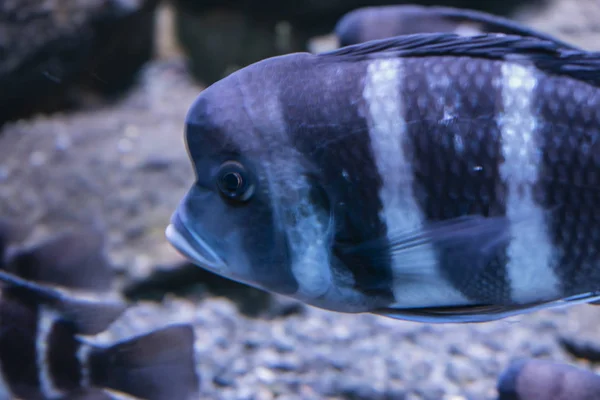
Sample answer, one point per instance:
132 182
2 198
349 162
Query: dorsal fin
545 55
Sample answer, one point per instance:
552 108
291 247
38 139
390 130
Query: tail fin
73 260
87 316
157 366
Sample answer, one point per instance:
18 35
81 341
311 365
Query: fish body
380 22
42 352
428 177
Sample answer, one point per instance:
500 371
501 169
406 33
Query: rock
61 52
128 39
580 336
462 372
219 41
573 22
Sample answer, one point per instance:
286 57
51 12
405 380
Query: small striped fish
429 177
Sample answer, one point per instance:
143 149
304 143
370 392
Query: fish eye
233 181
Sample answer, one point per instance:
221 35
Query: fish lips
191 245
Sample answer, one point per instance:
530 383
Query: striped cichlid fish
430 177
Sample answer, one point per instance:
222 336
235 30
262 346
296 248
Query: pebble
462 372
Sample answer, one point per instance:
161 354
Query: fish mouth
191 245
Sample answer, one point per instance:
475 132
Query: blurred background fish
538 379
372 23
74 259
43 354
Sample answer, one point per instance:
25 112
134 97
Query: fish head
233 220
263 211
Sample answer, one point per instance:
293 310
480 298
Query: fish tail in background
73 259
88 317
379 22
541 379
159 365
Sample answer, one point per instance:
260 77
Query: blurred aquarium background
93 96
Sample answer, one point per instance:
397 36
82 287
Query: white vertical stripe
83 355
400 212
306 233
307 237
530 251
47 318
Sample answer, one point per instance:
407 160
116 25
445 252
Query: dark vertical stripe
63 365
451 112
18 334
569 126
326 118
